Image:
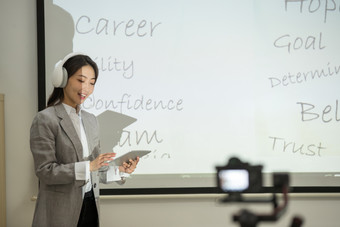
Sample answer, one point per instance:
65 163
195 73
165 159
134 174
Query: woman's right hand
101 160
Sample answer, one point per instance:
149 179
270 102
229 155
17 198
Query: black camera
239 177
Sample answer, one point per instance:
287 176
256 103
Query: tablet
130 155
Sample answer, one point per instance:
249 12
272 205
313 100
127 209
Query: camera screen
235 180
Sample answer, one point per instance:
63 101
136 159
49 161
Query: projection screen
199 81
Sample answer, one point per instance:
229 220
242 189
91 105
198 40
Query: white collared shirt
82 169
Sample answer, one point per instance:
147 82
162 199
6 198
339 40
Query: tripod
247 218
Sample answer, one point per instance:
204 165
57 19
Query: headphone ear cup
58 74
65 78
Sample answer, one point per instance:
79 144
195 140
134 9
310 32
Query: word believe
328 113
104 26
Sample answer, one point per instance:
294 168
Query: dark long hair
72 65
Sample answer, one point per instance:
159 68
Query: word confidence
297 43
303 77
327 115
281 144
103 26
126 102
314 6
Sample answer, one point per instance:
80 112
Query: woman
65 147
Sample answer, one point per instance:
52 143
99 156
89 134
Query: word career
104 26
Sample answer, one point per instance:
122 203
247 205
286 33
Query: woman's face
79 86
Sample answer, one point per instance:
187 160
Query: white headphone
60 76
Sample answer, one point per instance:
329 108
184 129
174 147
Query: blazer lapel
88 127
69 129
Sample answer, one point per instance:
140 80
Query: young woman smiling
66 152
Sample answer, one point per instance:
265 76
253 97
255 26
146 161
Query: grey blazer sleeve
53 151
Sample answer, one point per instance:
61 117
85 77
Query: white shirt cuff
113 174
122 174
82 170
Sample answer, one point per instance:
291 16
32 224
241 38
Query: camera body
239 177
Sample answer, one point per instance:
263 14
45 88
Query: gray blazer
56 147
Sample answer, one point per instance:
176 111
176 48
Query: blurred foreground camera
237 177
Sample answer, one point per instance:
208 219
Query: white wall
18 81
